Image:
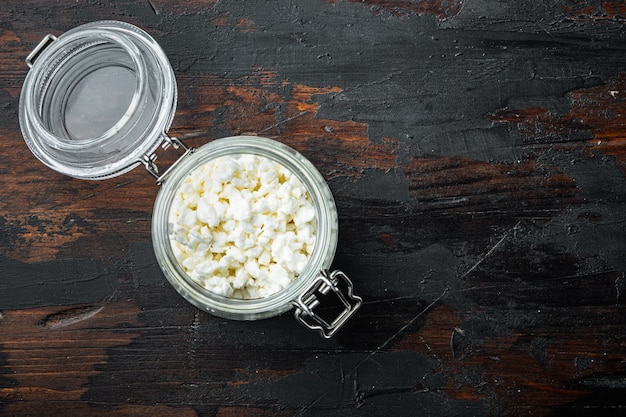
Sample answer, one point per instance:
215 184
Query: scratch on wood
282 122
401 330
192 338
493 248
72 202
153 7
609 381
304 408
374 392
69 317
618 288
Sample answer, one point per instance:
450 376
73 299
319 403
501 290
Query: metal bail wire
149 160
45 42
320 287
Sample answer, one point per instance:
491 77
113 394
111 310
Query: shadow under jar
99 100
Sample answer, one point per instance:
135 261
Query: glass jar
98 101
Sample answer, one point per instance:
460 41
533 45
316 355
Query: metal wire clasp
149 160
342 287
45 42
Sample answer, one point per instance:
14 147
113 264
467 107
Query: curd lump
242 226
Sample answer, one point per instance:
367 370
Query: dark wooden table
477 153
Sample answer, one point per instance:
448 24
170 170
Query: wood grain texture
477 154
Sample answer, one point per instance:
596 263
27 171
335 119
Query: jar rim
323 250
89 37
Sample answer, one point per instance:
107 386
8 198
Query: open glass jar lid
243 227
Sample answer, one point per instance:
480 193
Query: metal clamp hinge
305 304
149 160
47 40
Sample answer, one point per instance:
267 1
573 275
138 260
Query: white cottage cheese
243 226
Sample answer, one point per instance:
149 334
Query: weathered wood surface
477 153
